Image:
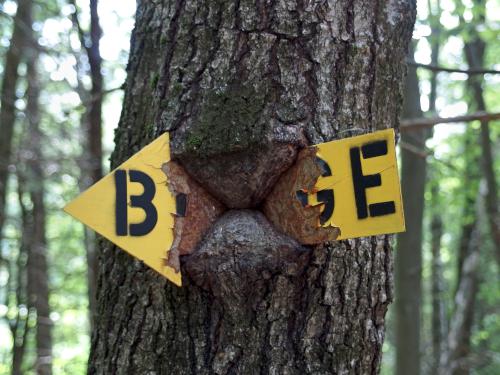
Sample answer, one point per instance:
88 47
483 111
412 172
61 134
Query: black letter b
143 201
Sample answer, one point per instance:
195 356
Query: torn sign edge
286 212
200 212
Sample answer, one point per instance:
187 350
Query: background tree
91 160
408 264
19 41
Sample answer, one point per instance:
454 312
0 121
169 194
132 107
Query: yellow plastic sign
133 207
359 187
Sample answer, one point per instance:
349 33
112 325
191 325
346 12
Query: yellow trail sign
359 186
133 207
357 191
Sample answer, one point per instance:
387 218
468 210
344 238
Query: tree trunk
408 256
439 321
95 143
91 161
240 85
38 283
20 327
474 53
437 289
456 358
20 36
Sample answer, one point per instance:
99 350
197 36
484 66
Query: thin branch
100 95
424 153
414 149
419 123
78 26
437 68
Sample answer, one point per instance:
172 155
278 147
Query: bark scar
196 211
287 208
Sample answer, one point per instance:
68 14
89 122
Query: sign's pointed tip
97 207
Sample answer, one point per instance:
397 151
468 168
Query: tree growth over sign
241 86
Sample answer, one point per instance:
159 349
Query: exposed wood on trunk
253 300
8 98
408 258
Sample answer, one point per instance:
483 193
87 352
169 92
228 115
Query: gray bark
439 322
474 53
241 84
408 263
95 143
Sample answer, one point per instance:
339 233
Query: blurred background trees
62 68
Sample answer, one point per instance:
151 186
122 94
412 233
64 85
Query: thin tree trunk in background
95 107
20 327
267 304
439 321
408 257
95 145
470 190
91 166
456 360
437 287
474 53
38 280
462 319
458 341
20 35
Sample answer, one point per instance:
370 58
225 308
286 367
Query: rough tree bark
408 258
20 36
240 84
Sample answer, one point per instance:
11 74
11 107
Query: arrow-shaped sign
133 207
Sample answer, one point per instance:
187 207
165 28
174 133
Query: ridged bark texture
242 85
